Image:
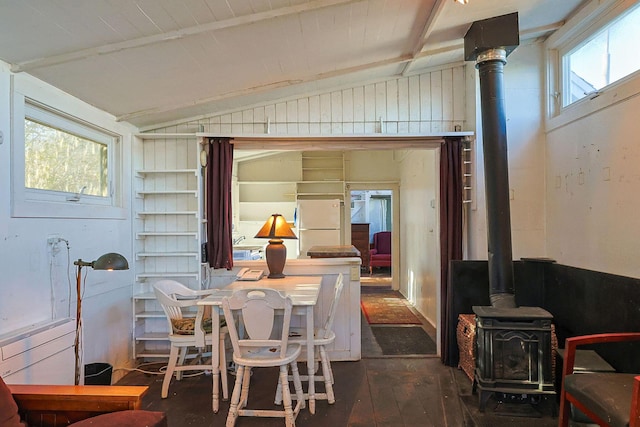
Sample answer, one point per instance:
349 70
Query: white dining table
304 292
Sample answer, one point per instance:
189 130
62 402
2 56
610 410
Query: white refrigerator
318 223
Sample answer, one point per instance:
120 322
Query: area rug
403 340
387 308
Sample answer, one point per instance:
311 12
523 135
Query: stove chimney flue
489 42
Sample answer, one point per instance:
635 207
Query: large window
64 166
605 57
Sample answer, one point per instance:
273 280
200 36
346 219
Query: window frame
31 202
578 30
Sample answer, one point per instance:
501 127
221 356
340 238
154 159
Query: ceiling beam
427 29
174 35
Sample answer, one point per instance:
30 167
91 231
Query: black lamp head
110 261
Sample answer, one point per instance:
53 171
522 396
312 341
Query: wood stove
513 344
513 352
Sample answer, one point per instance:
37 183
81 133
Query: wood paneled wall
425 103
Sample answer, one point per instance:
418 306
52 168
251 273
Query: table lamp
275 229
110 261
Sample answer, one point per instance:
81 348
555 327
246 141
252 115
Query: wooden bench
62 405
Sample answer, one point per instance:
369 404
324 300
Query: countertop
338 251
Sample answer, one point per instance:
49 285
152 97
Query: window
64 166
604 58
57 160
591 61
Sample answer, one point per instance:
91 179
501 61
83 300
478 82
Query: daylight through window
603 59
57 160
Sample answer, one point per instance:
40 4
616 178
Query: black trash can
97 374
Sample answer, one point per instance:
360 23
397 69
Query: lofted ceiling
151 62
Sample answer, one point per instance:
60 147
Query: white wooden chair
322 337
188 330
255 310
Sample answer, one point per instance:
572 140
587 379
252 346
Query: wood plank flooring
377 391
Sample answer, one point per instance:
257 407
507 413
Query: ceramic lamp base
276 254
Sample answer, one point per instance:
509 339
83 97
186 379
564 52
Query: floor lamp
110 261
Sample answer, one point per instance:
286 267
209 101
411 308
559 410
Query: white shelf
169 213
150 314
168 226
167 254
172 275
167 192
153 336
166 171
145 234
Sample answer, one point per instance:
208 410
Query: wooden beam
427 29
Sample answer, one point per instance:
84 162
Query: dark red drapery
218 202
451 186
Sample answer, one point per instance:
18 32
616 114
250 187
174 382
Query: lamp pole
80 264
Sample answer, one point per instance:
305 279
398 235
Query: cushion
8 408
608 395
186 326
125 419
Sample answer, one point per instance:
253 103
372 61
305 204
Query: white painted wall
38 284
524 96
593 180
419 233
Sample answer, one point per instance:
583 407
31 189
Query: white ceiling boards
159 61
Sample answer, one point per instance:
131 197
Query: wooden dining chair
322 337
255 311
188 331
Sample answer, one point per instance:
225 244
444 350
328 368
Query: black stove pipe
490 65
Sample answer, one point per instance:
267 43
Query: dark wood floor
377 391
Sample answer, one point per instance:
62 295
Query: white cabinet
167 228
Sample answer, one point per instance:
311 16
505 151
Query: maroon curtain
451 186
218 203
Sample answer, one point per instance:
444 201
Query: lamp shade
276 227
110 261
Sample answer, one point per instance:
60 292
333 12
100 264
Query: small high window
64 166
602 59
58 160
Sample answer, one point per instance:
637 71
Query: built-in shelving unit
167 205
322 175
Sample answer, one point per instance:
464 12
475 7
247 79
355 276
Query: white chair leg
278 399
327 374
286 397
246 380
235 397
297 384
181 358
223 369
168 374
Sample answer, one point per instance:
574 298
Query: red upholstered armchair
380 253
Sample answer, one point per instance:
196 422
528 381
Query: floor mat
387 308
403 340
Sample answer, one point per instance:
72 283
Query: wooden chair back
256 310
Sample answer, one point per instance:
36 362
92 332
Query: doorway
371 213
376 206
